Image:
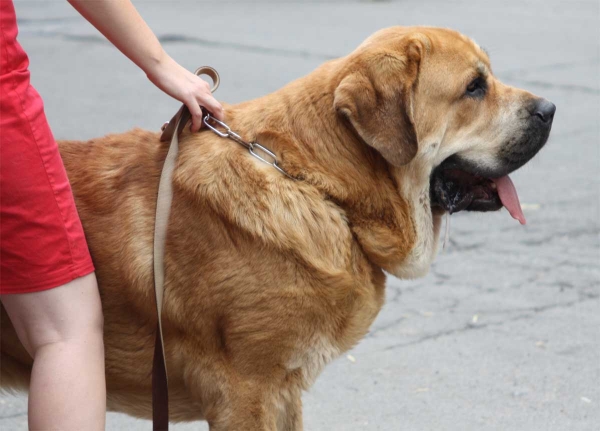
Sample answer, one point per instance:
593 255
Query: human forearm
122 25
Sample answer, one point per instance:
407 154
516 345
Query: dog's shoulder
283 213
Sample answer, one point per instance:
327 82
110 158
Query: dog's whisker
447 232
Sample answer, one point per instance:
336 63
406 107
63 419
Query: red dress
42 244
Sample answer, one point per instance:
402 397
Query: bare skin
61 328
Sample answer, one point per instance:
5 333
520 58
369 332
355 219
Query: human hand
186 87
120 22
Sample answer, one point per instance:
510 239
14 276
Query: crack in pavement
37 21
382 328
531 312
14 415
458 246
565 87
571 234
175 38
513 75
167 39
552 66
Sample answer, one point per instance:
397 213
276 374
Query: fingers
203 98
186 87
195 107
196 113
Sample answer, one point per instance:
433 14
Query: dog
269 278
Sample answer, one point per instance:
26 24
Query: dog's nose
544 110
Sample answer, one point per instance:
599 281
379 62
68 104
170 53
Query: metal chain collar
256 150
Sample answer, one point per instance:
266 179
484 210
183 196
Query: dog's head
426 98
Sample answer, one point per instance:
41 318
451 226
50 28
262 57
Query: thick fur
269 279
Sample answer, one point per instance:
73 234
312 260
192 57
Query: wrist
155 63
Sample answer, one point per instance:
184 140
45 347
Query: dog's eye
476 88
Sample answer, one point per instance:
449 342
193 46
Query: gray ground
504 332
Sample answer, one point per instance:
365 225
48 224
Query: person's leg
61 328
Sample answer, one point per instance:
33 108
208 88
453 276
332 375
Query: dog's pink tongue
510 199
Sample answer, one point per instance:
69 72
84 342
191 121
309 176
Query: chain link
254 148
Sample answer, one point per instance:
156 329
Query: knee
76 318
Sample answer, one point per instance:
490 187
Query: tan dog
269 279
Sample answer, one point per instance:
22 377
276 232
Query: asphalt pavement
504 332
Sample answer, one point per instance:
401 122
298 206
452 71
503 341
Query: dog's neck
318 147
309 138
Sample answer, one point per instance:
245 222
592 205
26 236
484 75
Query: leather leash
171 131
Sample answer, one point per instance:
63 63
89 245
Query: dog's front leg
252 408
290 415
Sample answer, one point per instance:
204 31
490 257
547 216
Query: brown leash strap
160 393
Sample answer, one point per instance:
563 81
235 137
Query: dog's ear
377 99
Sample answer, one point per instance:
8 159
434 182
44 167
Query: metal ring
214 129
212 74
264 150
